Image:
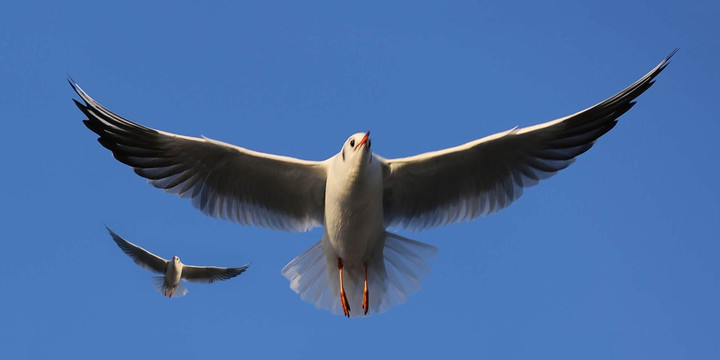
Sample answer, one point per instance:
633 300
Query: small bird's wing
486 175
223 180
139 255
208 274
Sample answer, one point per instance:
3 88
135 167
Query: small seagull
169 285
356 195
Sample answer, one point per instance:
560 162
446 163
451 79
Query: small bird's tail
392 278
159 285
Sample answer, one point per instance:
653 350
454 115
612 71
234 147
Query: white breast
353 210
173 274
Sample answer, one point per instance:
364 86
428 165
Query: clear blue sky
614 258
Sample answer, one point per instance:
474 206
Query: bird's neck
355 175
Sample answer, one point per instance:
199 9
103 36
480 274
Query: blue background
614 258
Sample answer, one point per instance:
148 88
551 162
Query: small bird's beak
364 139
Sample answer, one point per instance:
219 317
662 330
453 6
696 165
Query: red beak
364 139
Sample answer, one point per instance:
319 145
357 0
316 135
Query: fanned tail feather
159 286
307 274
392 278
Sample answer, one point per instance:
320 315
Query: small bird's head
176 259
356 148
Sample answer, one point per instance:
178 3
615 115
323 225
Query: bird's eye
352 143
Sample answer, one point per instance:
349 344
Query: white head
176 260
356 150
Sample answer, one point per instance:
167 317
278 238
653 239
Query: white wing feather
486 175
140 256
223 180
210 274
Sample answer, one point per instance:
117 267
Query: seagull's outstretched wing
208 274
486 175
139 255
223 180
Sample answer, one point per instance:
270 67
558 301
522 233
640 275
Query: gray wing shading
486 175
223 180
139 255
209 274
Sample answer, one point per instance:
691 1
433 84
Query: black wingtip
666 61
112 233
83 95
72 82
116 238
80 106
242 269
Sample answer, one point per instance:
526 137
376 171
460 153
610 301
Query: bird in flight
169 284
358 266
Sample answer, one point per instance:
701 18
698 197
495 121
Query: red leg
343 298
365 293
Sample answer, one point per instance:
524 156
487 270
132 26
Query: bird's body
354 233
171 279
353 204
356 195
173 270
